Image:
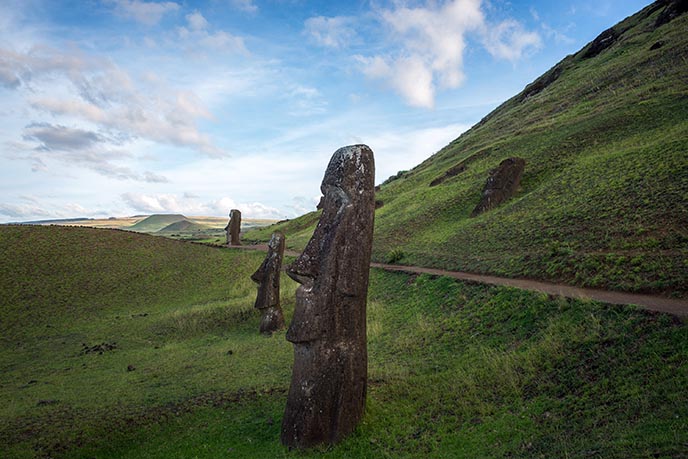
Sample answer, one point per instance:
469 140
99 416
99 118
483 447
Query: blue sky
124 107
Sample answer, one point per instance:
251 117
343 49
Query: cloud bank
427 46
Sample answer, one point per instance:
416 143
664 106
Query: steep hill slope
603 200
156 222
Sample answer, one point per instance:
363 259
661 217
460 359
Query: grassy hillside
121 345
184 226
157 222
603 199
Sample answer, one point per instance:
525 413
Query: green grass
157 222
603 200
456 369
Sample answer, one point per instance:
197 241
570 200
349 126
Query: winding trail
677 307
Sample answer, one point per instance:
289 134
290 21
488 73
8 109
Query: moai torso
233 227
268 279
329 378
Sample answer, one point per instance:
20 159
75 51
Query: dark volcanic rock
541 83
329 379
233 227
501 184
674 8
602 42
459 168
268 279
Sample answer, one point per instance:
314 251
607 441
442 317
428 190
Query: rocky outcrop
459 168
329 379
501 184
602 42
673 9
268 279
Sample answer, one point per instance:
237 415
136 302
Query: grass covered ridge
602 201
455 369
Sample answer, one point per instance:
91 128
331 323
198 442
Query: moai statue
268 279
501 185
233 227
328 385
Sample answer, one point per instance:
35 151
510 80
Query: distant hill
602 199
60 221
157 222
183 225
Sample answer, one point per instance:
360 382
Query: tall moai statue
328 386
233 227
268 279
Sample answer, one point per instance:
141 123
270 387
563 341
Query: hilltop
602 199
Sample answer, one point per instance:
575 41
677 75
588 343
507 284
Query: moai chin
268 279
233 227
328 386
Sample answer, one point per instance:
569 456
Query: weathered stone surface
501 184
268 279
674 8
602 42
233 227
329 378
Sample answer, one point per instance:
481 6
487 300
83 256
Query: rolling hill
183 226
156 222
603 198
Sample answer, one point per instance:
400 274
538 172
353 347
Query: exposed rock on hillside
674 9
501 184
602 42
457 169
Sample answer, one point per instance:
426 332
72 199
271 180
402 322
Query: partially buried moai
268 279
328 386
233 227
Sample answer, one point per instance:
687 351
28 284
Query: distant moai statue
501 185
233 227
268 279
329 378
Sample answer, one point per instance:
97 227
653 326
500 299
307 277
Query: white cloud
244 5
428 44
397 150
331 32
188 204
305 101
148 13
95 90
196 21
45 143
28 208
509 40
557 36
196 33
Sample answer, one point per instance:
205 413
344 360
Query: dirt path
677 307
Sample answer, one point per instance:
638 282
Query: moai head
327 393
335 263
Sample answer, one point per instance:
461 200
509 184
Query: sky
129 107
